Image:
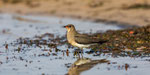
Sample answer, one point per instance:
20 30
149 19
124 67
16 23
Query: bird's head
70 27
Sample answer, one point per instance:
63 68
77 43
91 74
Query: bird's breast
70 37
71 40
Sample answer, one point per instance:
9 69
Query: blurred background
129 12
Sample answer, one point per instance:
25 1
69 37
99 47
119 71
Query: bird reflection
83 64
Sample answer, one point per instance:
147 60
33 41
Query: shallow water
45 60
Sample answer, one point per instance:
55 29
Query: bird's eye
69 26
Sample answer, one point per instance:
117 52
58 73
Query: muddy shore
123 12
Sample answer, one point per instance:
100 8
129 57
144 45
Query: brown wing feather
85 39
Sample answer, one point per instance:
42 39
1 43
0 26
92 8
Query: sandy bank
129 12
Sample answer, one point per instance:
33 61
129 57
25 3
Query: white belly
81 45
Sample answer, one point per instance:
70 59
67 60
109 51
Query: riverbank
123 12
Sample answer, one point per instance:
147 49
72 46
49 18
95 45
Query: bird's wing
85 39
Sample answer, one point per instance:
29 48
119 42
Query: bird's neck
72 31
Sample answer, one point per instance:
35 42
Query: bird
79 40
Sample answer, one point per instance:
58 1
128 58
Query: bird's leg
78 53
82 52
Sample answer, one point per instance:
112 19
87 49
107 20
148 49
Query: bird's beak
64 26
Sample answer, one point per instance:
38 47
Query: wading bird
80 40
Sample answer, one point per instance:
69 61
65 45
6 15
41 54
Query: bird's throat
68 30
